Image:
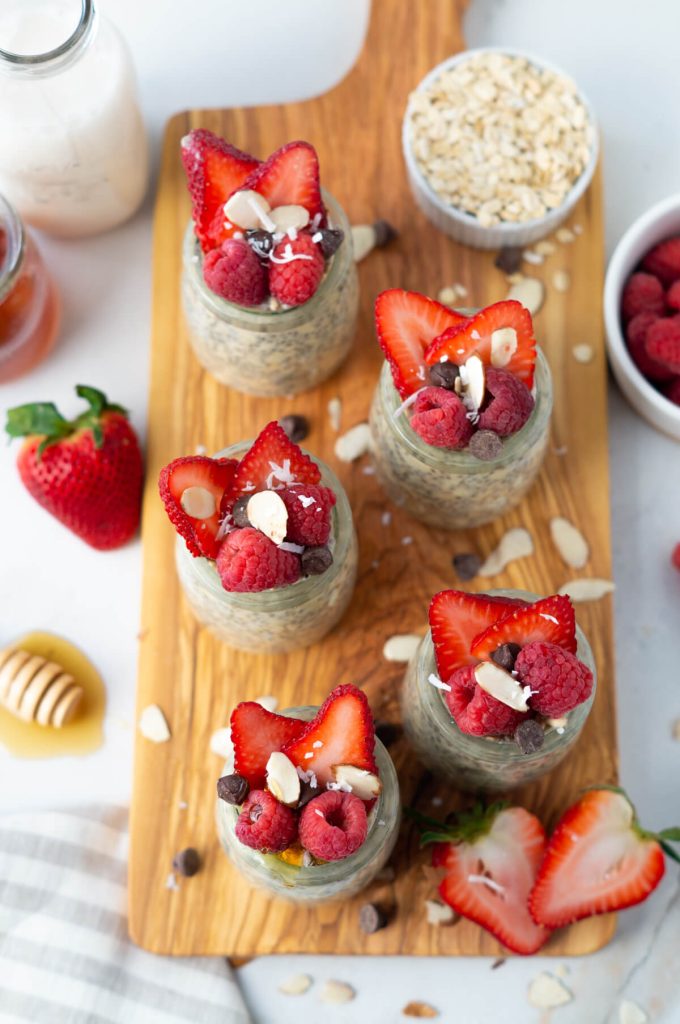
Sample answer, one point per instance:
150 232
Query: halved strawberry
551 619
290 177
456 618
256 733
474 337
341 733
214 170
491 859
598 860
406 323
273 459
196 471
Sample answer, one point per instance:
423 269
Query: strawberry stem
465 827
44 419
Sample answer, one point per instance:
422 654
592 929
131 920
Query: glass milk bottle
73 150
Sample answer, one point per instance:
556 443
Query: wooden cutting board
196 680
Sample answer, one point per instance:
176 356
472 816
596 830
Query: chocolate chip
187 862
371 918
384 233
529 736
261 242
509 259
444 375
506 656
331 240
233 789
238 513
296 427
485 445
316 560
467 565
388 732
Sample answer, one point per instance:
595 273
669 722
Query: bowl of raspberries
642 315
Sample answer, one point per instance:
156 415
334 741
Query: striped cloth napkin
65 957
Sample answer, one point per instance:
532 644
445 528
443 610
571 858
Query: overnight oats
499 689
269 285
267 550
460 418
309 806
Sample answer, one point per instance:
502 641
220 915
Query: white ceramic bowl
653 226
464 227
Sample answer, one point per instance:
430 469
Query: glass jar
283 618
29 302
267 353
73 150
481 762
320 883
452 489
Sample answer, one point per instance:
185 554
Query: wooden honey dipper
37 690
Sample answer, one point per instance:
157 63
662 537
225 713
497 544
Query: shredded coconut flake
406 403
287 545
488 882
436 681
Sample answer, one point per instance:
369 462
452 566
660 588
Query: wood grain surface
197 680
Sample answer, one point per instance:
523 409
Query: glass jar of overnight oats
284 618
264 352
320 883
453 489
481 762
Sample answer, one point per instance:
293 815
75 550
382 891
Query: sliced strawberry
290 177
256 733
341 733
474 337
551 620
456 618
214 170
491 866
598 860
406 323
273 460
212 475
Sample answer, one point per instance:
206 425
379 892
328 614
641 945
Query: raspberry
333 825
675 557
672 391
309 514
477 712
248 561
265 824
440 418
664 260
663 343
673 296
558 680
636 335
511 404
234 273
294 281
642 293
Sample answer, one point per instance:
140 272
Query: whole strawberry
87 472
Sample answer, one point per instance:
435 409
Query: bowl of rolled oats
499 147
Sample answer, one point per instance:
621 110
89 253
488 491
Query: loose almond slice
153 724
631 1013
358 781
587 589
354 443
296 985
401 647
570 542
283 780
439 913
530 291
336 992
516 543
546 992
419 1010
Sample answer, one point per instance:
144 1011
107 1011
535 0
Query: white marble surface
625 57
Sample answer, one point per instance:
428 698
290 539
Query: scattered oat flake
336 992
545 248
406 541
447 296
516 543
268 702
570 542
401 647
533 257
354 443
335 413
529 291
578 229
631 1013
420 1010
220 743
565 236
171 882
439 913
590 589
296 985
561 281
153 724
583 353
546 992
386 518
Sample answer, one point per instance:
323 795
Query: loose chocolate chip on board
239 514
444 375
233 789
316 560
485 445
187 862
529 736
331 240
371 918
506 656
388 732
296 427
467 565
384 233
509 259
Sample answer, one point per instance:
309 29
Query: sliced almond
289 218
363 241
631 1013
401 647
473 380
267 512
221 744
268 702
570 542
420 1010
353 444
336 992
545 247
565 236
503 346
499 684
583 353
561 281
530 291
153 724
247 209
546 992
296 985
283 780
439 913
590 589
198 502
358 781
516 543
335 413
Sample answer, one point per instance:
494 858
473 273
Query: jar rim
12 228
27 62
